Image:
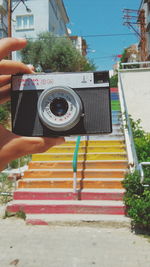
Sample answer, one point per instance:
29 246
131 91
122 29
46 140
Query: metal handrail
144 63
74 164
141 164
131 151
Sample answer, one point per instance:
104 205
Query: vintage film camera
61 104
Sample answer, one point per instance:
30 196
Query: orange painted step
69 184
87 164
69 174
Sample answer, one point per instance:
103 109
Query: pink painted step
25 195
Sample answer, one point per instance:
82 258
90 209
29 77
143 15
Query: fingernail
21 38
30 65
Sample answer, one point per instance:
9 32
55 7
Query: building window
24 22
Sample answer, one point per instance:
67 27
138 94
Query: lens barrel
59 108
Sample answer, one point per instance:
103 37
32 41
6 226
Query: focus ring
68 108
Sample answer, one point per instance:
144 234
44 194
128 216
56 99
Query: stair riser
67 196
87 150
69 174
114 90
116 107
114 97
67 209
69 184
47 157
93 143
68 165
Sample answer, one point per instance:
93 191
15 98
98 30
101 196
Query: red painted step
20 195
66 209
114 90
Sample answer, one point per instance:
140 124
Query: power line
103 57
87 36
107 35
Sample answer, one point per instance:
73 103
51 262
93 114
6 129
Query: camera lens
59 106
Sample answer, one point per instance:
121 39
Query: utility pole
143 42
135 19
9 17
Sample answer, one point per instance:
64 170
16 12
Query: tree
5 113
54 53
114 81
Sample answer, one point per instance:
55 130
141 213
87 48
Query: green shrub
20 162
140 210
142 144
4 113
114 81
137 195
6 185
137 200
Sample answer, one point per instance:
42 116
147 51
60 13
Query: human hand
9 67
13 146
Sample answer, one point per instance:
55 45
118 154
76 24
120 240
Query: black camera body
61 104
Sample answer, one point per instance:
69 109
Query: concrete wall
136 86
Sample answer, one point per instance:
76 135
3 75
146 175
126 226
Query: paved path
85 245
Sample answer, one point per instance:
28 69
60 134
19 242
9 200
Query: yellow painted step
87 149
81 165
68 157
94 143
69 184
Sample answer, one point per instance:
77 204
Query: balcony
148 23
3 6
3 26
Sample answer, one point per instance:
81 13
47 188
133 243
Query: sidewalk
85 245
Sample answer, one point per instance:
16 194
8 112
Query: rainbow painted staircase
45 192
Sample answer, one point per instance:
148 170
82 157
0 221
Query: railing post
74 164
141 164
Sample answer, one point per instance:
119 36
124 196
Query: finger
41 144
13 67
31 67
11 44
4 94
4 79
55 141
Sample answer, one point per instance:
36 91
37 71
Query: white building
3 18
31 17
37 16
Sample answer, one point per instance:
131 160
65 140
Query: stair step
93 143
69 156
114 89
67 207
45 219
63 173
87 149
56 195
83 165
61 183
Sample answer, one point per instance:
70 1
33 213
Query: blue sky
100 17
